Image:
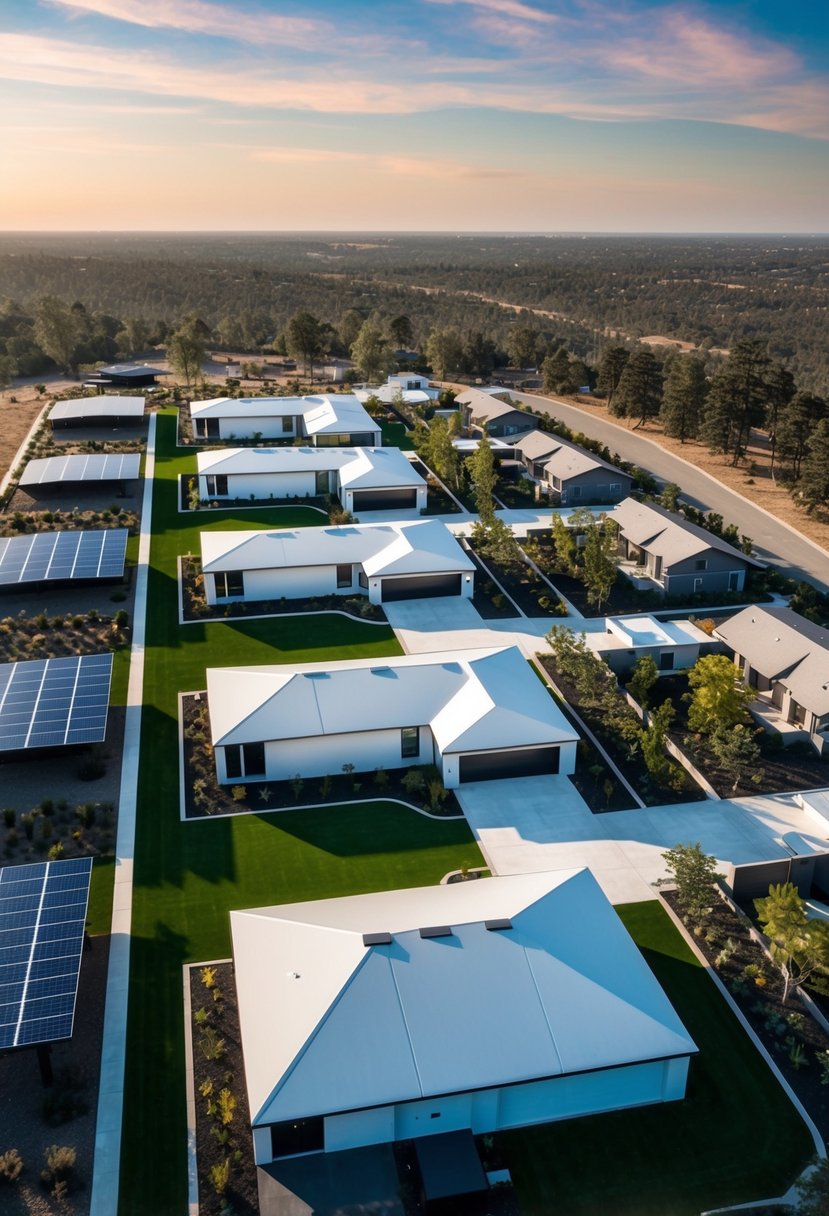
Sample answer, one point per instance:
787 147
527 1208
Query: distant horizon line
419 232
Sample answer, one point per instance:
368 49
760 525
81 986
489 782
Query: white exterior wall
326 754
268 428
262 1145
296 582
510 1106
263 485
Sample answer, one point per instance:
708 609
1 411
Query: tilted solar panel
54 702
62 555
42 918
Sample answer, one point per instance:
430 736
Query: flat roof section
42 919
54 702
62 556
109 406
88 468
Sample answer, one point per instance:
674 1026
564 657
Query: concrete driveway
542 823
450 623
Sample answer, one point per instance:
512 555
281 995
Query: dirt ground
764 492
16 418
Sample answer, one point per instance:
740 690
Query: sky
414 115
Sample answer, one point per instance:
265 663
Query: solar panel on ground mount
89 468
42 918
54 702
44 556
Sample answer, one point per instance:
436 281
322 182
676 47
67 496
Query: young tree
644 676
611 366
372 351
683 398
813 488
566 545
719 697
639 391
444 351
600 561
694 874
798 945
186 348
737 753
304 339
483 477
440 453
495 539
657 761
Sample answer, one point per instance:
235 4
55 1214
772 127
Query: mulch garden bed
488 599
218 1069
43 637
204 796
785 769
19 523
524 586
196 608
797 1043
623 595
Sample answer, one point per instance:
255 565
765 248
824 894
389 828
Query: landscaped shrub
11 1165
60 1168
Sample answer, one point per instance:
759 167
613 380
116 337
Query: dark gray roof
670 536
784 647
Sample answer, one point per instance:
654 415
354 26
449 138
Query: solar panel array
81 468
62 555
54 702
42 918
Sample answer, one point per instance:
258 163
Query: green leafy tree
444 351
8 368
780 390
372 352
483 479
522 346
555 372
683 396
495 539
349 327
612 364
813 488
600 558
479 355
798 945
402 334
304 338
440 453
59 331
186 349
639 391
737 753
134 336
719 696
644 676
694 874
566 545
659 765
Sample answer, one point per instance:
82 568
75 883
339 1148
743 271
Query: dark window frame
409 742
345 575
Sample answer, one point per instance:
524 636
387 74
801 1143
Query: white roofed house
570 473
663 551
472 1008
382 561
673 645
785 657
364 479
412 387
476 715
326 420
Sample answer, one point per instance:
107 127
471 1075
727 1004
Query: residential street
774 541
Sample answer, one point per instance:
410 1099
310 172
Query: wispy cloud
394 165
202 17
504 8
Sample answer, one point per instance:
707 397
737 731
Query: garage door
412 588
516 762
384 500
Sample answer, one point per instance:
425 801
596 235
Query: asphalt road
774 541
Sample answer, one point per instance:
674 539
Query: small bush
60 1166
56 851
11 1165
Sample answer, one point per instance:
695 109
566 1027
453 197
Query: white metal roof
417 547
97 407
89 468
330 1024
359 468
472 700
324 413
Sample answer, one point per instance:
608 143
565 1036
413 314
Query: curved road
774 541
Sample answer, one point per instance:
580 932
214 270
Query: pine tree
780 391
639 392
737 399
612 365
684 395
813 488
794 429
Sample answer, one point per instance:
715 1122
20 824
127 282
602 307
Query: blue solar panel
54 702
45 556
42 917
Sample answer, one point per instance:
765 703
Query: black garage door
420 588
521 762
384 500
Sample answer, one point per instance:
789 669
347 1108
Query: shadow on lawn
368 827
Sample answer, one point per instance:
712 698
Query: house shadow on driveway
357 1182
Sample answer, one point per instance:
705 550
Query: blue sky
503 115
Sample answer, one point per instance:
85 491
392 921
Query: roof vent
376 939
502 922
436 931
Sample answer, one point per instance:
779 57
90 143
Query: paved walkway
107 1164
424 626
542 823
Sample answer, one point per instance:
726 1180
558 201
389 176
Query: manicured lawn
395 435
99 912
735 1138
189 876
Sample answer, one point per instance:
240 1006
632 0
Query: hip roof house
471 1007
572 474
476 715
664 551
383 561
785 657
364 479
325 421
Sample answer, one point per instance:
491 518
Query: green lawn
735 1138
99 912
189 876
395 435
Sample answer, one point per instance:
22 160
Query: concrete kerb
109 1120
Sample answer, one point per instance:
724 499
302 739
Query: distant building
124 375
485 411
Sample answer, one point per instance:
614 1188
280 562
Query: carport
385 500
419 587
509 762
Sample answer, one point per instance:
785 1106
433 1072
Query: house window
253 758
233 761
229 582
288 425
575 491
701 564
409 742
734 580
363 581
321 482
666 660
697 586
615 487
345 576
303 1136
216 485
